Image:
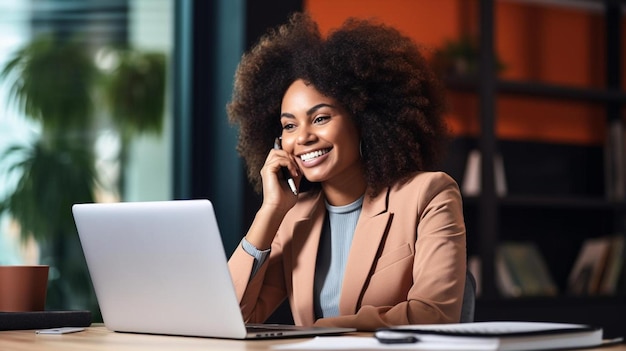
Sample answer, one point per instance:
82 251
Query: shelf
558 187
560 92
559 202
540 90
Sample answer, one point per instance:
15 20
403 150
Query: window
85 95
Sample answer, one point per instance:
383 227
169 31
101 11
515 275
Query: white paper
59 331
494 328
370 343
490 341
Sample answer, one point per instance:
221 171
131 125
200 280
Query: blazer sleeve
260 296
435 277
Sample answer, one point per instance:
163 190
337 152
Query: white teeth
312 155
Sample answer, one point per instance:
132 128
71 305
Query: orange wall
419 19
546 43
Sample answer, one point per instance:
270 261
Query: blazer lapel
306 238
370 230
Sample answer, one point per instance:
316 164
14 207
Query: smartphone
285 171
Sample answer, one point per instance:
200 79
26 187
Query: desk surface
99 338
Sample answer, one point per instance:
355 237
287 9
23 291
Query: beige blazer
406 264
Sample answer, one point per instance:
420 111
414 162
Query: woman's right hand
277 198
277 195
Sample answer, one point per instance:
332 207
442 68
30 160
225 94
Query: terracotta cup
23 288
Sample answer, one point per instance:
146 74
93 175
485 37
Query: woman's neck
345 191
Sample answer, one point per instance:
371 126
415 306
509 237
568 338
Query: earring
361 148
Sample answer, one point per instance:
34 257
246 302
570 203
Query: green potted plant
57 84
460 57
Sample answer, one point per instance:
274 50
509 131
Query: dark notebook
44 319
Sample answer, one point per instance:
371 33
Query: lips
313 155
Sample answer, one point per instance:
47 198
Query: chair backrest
469 298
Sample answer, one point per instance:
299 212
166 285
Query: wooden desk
98 338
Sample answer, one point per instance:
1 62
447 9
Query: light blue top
332 257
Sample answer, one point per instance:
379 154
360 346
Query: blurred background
124 100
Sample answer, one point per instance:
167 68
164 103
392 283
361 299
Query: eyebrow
309 111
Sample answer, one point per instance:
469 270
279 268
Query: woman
373 237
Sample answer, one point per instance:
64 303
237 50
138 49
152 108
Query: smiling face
321 135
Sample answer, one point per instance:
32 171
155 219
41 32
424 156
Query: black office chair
469 299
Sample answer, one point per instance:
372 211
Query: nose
305 135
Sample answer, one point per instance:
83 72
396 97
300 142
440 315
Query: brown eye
320 119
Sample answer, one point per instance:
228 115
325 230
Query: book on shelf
614 266
615 161
522 271
494 335
586 275
471 185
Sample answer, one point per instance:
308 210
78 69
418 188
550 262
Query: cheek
287 143
352 144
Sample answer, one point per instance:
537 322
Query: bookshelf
538 215
579 201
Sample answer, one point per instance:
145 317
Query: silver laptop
160 268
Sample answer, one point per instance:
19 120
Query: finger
284 160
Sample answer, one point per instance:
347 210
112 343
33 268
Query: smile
311 155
